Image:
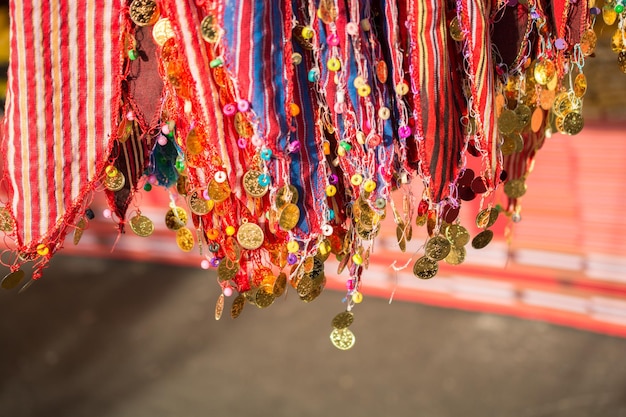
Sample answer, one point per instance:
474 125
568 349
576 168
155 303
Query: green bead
345 145
132 55
180 165
619 8
147 187
217 62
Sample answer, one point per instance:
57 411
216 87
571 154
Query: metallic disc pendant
507 122
251 184
141 225
289 216
197 204
232 249
219 307
342 339
162 31
482 239
456 255
80 228
545 70
12 279
305 285
425 268
589 39
218 191
573 123
115 182
486 218
457 235
400 235
455 30
437 248
250 236
264 298
343 320
285 195
227 270
184 239
6 221
537 120
580 85
175 218
280 285
243 126
209 29
508 146
523 114
144 12
515 188
238 303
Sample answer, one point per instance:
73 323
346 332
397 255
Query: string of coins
282 152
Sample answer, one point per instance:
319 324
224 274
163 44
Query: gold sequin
280 285
437 248
162 31
343 320
342 339
227 269
175 218
115 182
515 188
289 216
197 204
141 225
251 184
286 194
425 268
238 303
218 191
573 123
482 239
12 279
250 236
486 218
6 221
219 307
456 255
184 239
264 297
144 12
458 235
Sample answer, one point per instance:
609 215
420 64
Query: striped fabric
62 103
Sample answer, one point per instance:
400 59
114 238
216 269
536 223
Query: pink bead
107 213
205 264
368 125
243 105
229 109
130 115
165 129
162 140
294 146
152 179
242 143
404 131
205 195
228 291
332 40
352 28
257 140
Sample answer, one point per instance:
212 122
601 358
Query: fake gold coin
537 120
425 268
305 285
289 216
243 126
219 307
515 188
342 339
400 235
580 85
197 204
507 122
162 31
238 303
456 255
545 70
508 146
264 298
486 218
437 248
141 225
227 269
144 12
286 194
588 41
455 30
251 184
523 114
457 235
115 182
6 221
209 29
78 231
218 191
327 11
343 320
175 218
250 236
482 239
573 123
280 285
184 239
232 249
12 279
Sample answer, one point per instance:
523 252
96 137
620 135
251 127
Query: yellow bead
230 230
369 186
358 81
364 90
356 179
210 204
402 89
307 32
357 259
294 109
331 190
111 171
42 249
324 247
292 246
333 64
360 137
341 151
357 297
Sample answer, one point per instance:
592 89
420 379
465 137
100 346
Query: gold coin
144 12
544 71
621 61
425 268
343 320
182 185
552 84
251 184
519 142
563 104
162 31
227 269
209 29
12 279
507 122
197 204
508 146
116 182
184 239
243 126
580 85
311 296
457 235
327 11
218 191
141 225
456 255
617 41
280 284
437 248
573 123
342 339
588 40
289 216
487 218
558 124
305 285
523 114
482 239
194 142
546 99
400 235
455 29
515 188
6 221
175 218
78 231
250 236
238 303
219 307
264 298
286 194
537 120
232 249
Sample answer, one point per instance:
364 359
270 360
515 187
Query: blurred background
531 326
